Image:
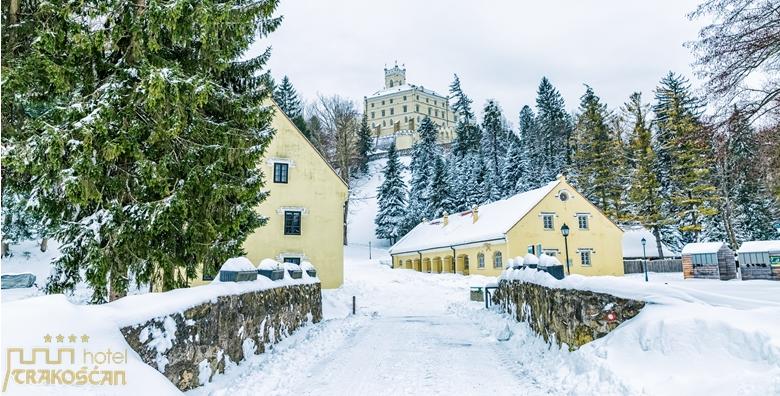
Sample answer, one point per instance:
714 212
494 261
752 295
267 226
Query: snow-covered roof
403 88
759 247
702 247
495 220
632 243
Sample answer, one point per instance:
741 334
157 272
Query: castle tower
395 76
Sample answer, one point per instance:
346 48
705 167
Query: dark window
585 257
583 221
280 172
548 221
292 222
294 260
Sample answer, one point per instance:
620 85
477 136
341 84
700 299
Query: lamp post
644 256
565 233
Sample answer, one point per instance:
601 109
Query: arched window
497 260
480 260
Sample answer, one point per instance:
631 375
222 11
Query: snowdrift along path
407 338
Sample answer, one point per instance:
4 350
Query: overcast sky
499 49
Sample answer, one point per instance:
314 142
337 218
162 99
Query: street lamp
565 233
644 256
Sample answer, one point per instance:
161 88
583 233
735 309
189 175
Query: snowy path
412 355
407 338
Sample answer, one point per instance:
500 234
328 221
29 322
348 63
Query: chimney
445 218
474 214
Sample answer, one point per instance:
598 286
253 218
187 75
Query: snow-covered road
409 337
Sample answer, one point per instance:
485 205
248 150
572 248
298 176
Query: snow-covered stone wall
189 347
563 315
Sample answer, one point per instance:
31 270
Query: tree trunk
5 249
117 279
44 244
658 245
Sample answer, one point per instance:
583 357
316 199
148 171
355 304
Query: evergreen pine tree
421 169
467 134
597 156
148 163
530 148
494 142
364 145
287 99
644 195
749 206
391 199
684 161
515 173
555 130
438 193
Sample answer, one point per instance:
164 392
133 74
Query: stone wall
564 316
190 347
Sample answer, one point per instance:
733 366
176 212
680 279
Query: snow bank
237 264
530 259
548 261
269 264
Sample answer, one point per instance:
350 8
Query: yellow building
396 111
305 207
481 241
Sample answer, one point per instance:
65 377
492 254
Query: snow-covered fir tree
364 143
684 149
555 129
421 169
438 193
644 194
147 166
598 156
391 199
530 148
467 134
494 141
750 209
515 173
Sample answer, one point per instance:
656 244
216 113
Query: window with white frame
582 220
480 260
498 260
548 219
585 258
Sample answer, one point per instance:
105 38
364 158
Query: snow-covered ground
363 206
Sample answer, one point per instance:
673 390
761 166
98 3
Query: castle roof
404 88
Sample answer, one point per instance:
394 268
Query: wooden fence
665 265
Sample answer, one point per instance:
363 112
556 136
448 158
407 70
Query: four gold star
72 338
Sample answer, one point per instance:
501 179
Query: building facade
304 207
481 241
395 112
